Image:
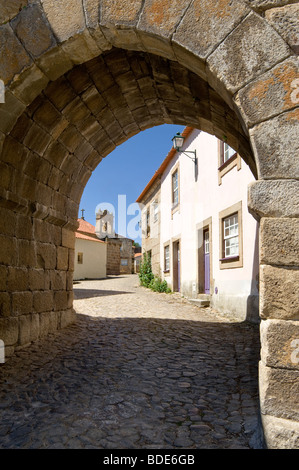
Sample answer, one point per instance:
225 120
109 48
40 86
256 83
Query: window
228 152
231 249
228 159
80 258
175 188
156 210
206 242
231 236
124 262
148 227
166 259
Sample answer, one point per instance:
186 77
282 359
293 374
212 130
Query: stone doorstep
202 300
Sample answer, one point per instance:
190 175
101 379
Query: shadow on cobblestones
88 293
134 383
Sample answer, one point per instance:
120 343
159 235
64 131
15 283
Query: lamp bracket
193 152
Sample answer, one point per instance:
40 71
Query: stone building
120 254
113 256
149 202
104 224
126 255
137 262
197 229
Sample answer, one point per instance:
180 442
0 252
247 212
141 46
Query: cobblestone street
137 370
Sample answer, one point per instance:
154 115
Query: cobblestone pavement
137 370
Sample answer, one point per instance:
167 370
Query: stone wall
126 253
36 281
151 238
113 257
278 205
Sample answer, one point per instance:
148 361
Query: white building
207 238
90 253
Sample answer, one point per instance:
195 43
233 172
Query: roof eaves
186 132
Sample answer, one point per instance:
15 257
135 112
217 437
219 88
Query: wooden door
207 260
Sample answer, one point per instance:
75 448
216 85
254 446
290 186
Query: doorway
204 256
176 266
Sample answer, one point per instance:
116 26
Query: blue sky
125 172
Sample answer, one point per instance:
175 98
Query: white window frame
231 236
155 211
228 152
166 258
148 221
175 188
228 159
227 258
206 242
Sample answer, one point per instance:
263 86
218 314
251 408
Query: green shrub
145 273
158 285
147 278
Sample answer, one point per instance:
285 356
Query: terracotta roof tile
86 231
85 226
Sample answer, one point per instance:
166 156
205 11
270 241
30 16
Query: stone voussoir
9 10
285 20
261 5
275 156
33 31
205 25
272 93
236 63
13 57
64 25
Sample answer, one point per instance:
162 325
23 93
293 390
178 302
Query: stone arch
230 66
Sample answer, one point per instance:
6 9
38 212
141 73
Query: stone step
201 302
204 296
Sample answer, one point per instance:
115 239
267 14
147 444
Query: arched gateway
82 76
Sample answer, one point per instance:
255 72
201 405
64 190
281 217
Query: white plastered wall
234 290
94 259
